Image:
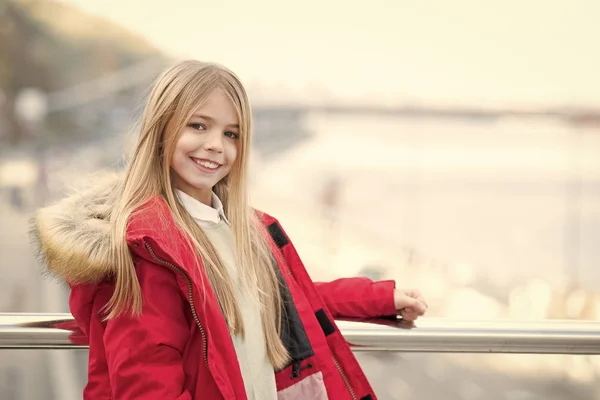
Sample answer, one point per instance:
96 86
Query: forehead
219 107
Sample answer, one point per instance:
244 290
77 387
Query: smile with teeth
206 163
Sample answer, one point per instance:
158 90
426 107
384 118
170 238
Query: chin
203 185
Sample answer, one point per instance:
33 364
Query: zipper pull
295 370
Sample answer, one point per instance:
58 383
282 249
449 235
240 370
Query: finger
418 307
417 295
408 316
404 301
414 312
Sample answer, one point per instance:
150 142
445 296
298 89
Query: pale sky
526 52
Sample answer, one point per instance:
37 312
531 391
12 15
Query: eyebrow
212 119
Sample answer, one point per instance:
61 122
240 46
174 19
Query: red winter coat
180 347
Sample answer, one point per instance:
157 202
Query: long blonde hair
176 94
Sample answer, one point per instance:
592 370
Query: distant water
511 199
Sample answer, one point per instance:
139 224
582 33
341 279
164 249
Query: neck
202 195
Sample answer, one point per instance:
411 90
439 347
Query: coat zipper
287 267
190 298
344 378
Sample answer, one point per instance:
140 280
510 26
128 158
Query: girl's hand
410 304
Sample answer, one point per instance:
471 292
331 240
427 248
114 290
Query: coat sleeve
358 297
144 354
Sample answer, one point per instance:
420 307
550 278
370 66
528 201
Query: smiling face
207 147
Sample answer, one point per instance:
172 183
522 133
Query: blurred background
452 146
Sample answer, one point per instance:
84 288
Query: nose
214 142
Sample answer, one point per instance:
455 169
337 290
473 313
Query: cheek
231 151
182 148
185 143
177 159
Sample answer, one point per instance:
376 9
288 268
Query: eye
197 126
232 135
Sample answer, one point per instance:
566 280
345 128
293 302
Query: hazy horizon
461 53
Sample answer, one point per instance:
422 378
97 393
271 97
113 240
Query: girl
186 292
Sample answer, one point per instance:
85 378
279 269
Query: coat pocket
312 387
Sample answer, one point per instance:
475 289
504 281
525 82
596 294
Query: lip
203 168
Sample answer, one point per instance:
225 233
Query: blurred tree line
51 46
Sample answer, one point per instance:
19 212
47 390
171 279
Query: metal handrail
58 331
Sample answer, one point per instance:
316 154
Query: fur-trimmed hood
72 236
